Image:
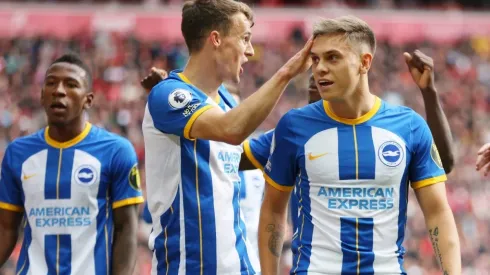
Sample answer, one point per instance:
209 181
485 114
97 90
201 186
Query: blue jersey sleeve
426 165
174 106
125 184
280 170
258 149
10 186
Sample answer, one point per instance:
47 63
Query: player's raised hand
152 79
421 68
300 62
483 159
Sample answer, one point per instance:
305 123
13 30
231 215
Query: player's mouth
58 107
241 70
324 83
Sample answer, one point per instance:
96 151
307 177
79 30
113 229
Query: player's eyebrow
67 78
329 52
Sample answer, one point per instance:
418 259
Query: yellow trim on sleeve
190 122
11 207
276 185
250 155
129 201
429 181
66 144
353 121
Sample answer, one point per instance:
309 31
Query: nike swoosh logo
313 157
28 177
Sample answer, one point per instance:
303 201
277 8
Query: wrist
429 91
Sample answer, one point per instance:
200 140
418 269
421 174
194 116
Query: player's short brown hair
354 29
200 17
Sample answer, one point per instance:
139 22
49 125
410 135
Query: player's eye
315 59
333 57
49 83
71 85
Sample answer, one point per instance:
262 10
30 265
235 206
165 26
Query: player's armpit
246 163
9 232
125 239
248 160
213 124
441 225
272 228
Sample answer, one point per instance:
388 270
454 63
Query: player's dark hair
75 59
200 17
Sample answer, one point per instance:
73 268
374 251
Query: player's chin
328 95
57 119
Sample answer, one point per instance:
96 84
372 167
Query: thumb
408 57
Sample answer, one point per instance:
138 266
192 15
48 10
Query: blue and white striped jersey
352 177
67 192
193 186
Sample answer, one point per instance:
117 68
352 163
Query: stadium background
122 39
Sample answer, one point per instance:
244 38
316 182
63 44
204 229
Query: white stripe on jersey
83 238
384 239
326 222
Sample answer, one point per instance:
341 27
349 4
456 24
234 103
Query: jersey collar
353 121
66 144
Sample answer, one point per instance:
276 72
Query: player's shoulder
404 114
109 141
392 109
174 91
28 144
296 117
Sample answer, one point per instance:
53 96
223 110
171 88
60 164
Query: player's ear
366 61
215 38
89 98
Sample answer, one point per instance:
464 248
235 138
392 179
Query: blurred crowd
118 63
392 4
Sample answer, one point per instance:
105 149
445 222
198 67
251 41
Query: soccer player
75 185
192 136
352 157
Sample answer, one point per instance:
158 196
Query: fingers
484 148
422 61
482 161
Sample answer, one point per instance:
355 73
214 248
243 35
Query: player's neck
355 106
203 74
64 133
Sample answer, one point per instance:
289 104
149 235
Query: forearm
439 126
124 251
247 116
9 239
445 241
272 229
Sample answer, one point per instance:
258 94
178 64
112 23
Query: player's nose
60 89
250 50
320 68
